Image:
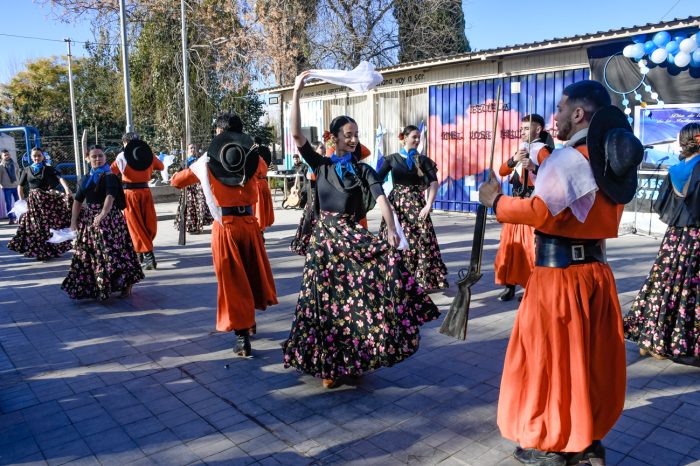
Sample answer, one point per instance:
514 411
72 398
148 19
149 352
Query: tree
285 32
430 28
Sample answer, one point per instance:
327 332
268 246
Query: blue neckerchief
680 173
37 166
343 163
95 175
409 156
191 159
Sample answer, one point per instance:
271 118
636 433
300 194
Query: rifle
457 318
522 191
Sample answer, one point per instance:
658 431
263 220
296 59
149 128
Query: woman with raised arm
412 175
359 308
47 208
663 320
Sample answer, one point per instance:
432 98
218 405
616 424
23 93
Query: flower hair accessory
326 135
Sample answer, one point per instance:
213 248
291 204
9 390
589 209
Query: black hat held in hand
614 153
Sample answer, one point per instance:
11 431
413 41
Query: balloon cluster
679 50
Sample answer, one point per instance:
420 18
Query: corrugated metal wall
461 122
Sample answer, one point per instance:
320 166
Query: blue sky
490 23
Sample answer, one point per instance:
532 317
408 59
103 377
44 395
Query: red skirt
515 258
563 382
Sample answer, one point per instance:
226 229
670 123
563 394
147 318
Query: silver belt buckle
577 252
240 209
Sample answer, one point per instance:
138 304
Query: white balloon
627 51
659 55
638 51
682 59
688 45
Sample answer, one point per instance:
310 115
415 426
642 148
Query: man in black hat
243 272
563 384
135 165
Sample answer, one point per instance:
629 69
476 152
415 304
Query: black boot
508 293
140 258
539 458
243 348
149 261
594 454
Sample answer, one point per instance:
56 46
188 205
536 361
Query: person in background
136 165
9 180
413 174
515 258
197 215
663 320
104 260
47 208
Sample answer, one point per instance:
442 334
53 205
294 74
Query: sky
489 24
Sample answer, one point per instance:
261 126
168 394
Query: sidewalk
146 380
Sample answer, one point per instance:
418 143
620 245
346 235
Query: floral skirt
300 243
46 210
104 260
422 257
358 309
197 215
663 319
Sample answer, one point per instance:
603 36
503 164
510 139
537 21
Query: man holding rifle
563 384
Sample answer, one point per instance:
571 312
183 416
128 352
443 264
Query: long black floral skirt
358 309
664 317
45 210
104 260
300 242
422 257
197 215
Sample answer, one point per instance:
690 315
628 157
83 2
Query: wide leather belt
552 251
238 211
135 185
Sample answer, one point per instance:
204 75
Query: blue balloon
697 37
680 36
672 46
695 58
662 38
649 47
671 59
640 39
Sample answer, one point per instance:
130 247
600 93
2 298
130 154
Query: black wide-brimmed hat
230 159
138 155
614 153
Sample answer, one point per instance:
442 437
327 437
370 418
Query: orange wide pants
563 382
140 213
515 258
243 273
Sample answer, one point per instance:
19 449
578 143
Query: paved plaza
145 380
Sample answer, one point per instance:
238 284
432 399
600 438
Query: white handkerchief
61 236
19 208
361 79
403 244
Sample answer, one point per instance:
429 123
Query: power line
670 9
44 38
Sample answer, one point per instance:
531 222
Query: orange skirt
563 382
243 273
140 213
515 258
263 209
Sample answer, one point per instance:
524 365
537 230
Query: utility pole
125 67
76 144
188 136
